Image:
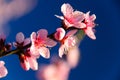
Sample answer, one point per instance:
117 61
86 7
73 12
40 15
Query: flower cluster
74 25
78 20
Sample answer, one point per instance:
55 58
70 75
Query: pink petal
33 36
61 51
44 52
20 37
70 42
78 16
87 15
67 10
25 65
33 63
60 17
93 17
26 41
60 33
71 33
50 43
42 34
68 24
80 25
3 70
90 33
34 51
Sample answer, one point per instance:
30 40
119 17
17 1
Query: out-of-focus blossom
12 9
55 71
27 60
73 56
70 17
40 43
89 22
67 41
4 47
3 70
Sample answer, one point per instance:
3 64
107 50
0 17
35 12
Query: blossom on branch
89 22
27 60
75 24
70 17
3 70
21 41
77 19
40 43
67 41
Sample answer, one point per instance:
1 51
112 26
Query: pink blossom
27 60
40 42
78 20
70 17
66 41
89 22
55 71
3 70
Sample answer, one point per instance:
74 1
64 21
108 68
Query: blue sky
100 58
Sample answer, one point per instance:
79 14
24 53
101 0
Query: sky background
100 58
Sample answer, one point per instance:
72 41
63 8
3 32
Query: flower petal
93 17
50 43
80 25
42 34
71 33
34 51
67 10
3 70
33 36
70 42
61 51
25 65
33 63
44 52
60 17
90 33
20 37
78 16
87 15
26 41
